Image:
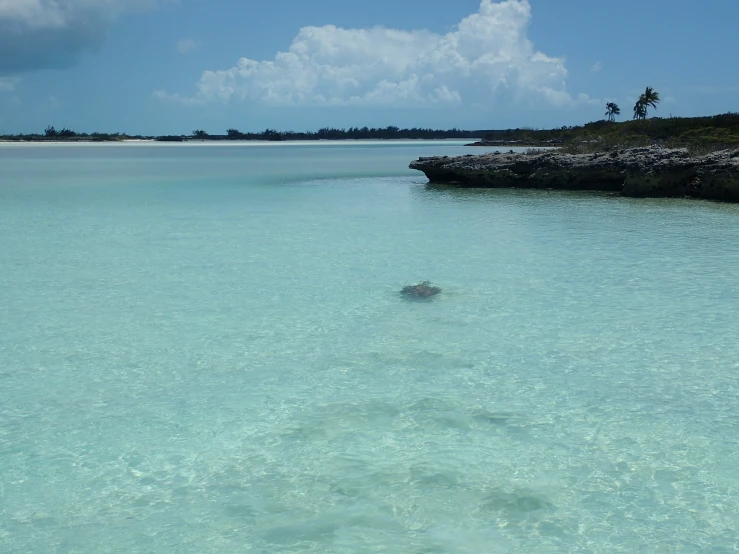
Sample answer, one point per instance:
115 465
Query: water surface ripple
203 349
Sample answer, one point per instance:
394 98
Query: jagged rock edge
633 172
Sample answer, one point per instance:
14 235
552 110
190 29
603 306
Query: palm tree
640 109
612 110
650 97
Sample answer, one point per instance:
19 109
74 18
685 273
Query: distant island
51 134
699 135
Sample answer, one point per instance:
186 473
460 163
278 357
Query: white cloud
37 34
187 45
52 14
583 98
596 68
486 57
51 103
162 94
8 84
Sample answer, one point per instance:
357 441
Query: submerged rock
636 172
421 290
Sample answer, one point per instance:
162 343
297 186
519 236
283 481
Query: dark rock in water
634 172
421 290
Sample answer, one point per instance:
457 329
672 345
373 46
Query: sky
172 66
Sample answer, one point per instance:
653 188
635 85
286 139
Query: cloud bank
39 34
486 56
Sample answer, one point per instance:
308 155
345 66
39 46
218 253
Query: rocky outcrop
637 172
421 290
516 143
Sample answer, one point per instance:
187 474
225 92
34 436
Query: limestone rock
637 172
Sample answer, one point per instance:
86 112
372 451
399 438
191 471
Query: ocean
203 349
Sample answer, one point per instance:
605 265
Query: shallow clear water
202 349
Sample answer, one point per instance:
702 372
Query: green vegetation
698 134
649 98
612 110
326 133
51 134
640 111
352 133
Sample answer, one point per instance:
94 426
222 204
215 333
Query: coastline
514 144
649 172
232 143
85 142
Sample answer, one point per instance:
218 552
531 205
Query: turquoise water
202 349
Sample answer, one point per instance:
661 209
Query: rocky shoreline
516 144
633 172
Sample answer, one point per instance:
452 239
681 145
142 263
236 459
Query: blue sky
170 66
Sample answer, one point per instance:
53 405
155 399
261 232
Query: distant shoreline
699 134
62 141
261 142
514 144
272 135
